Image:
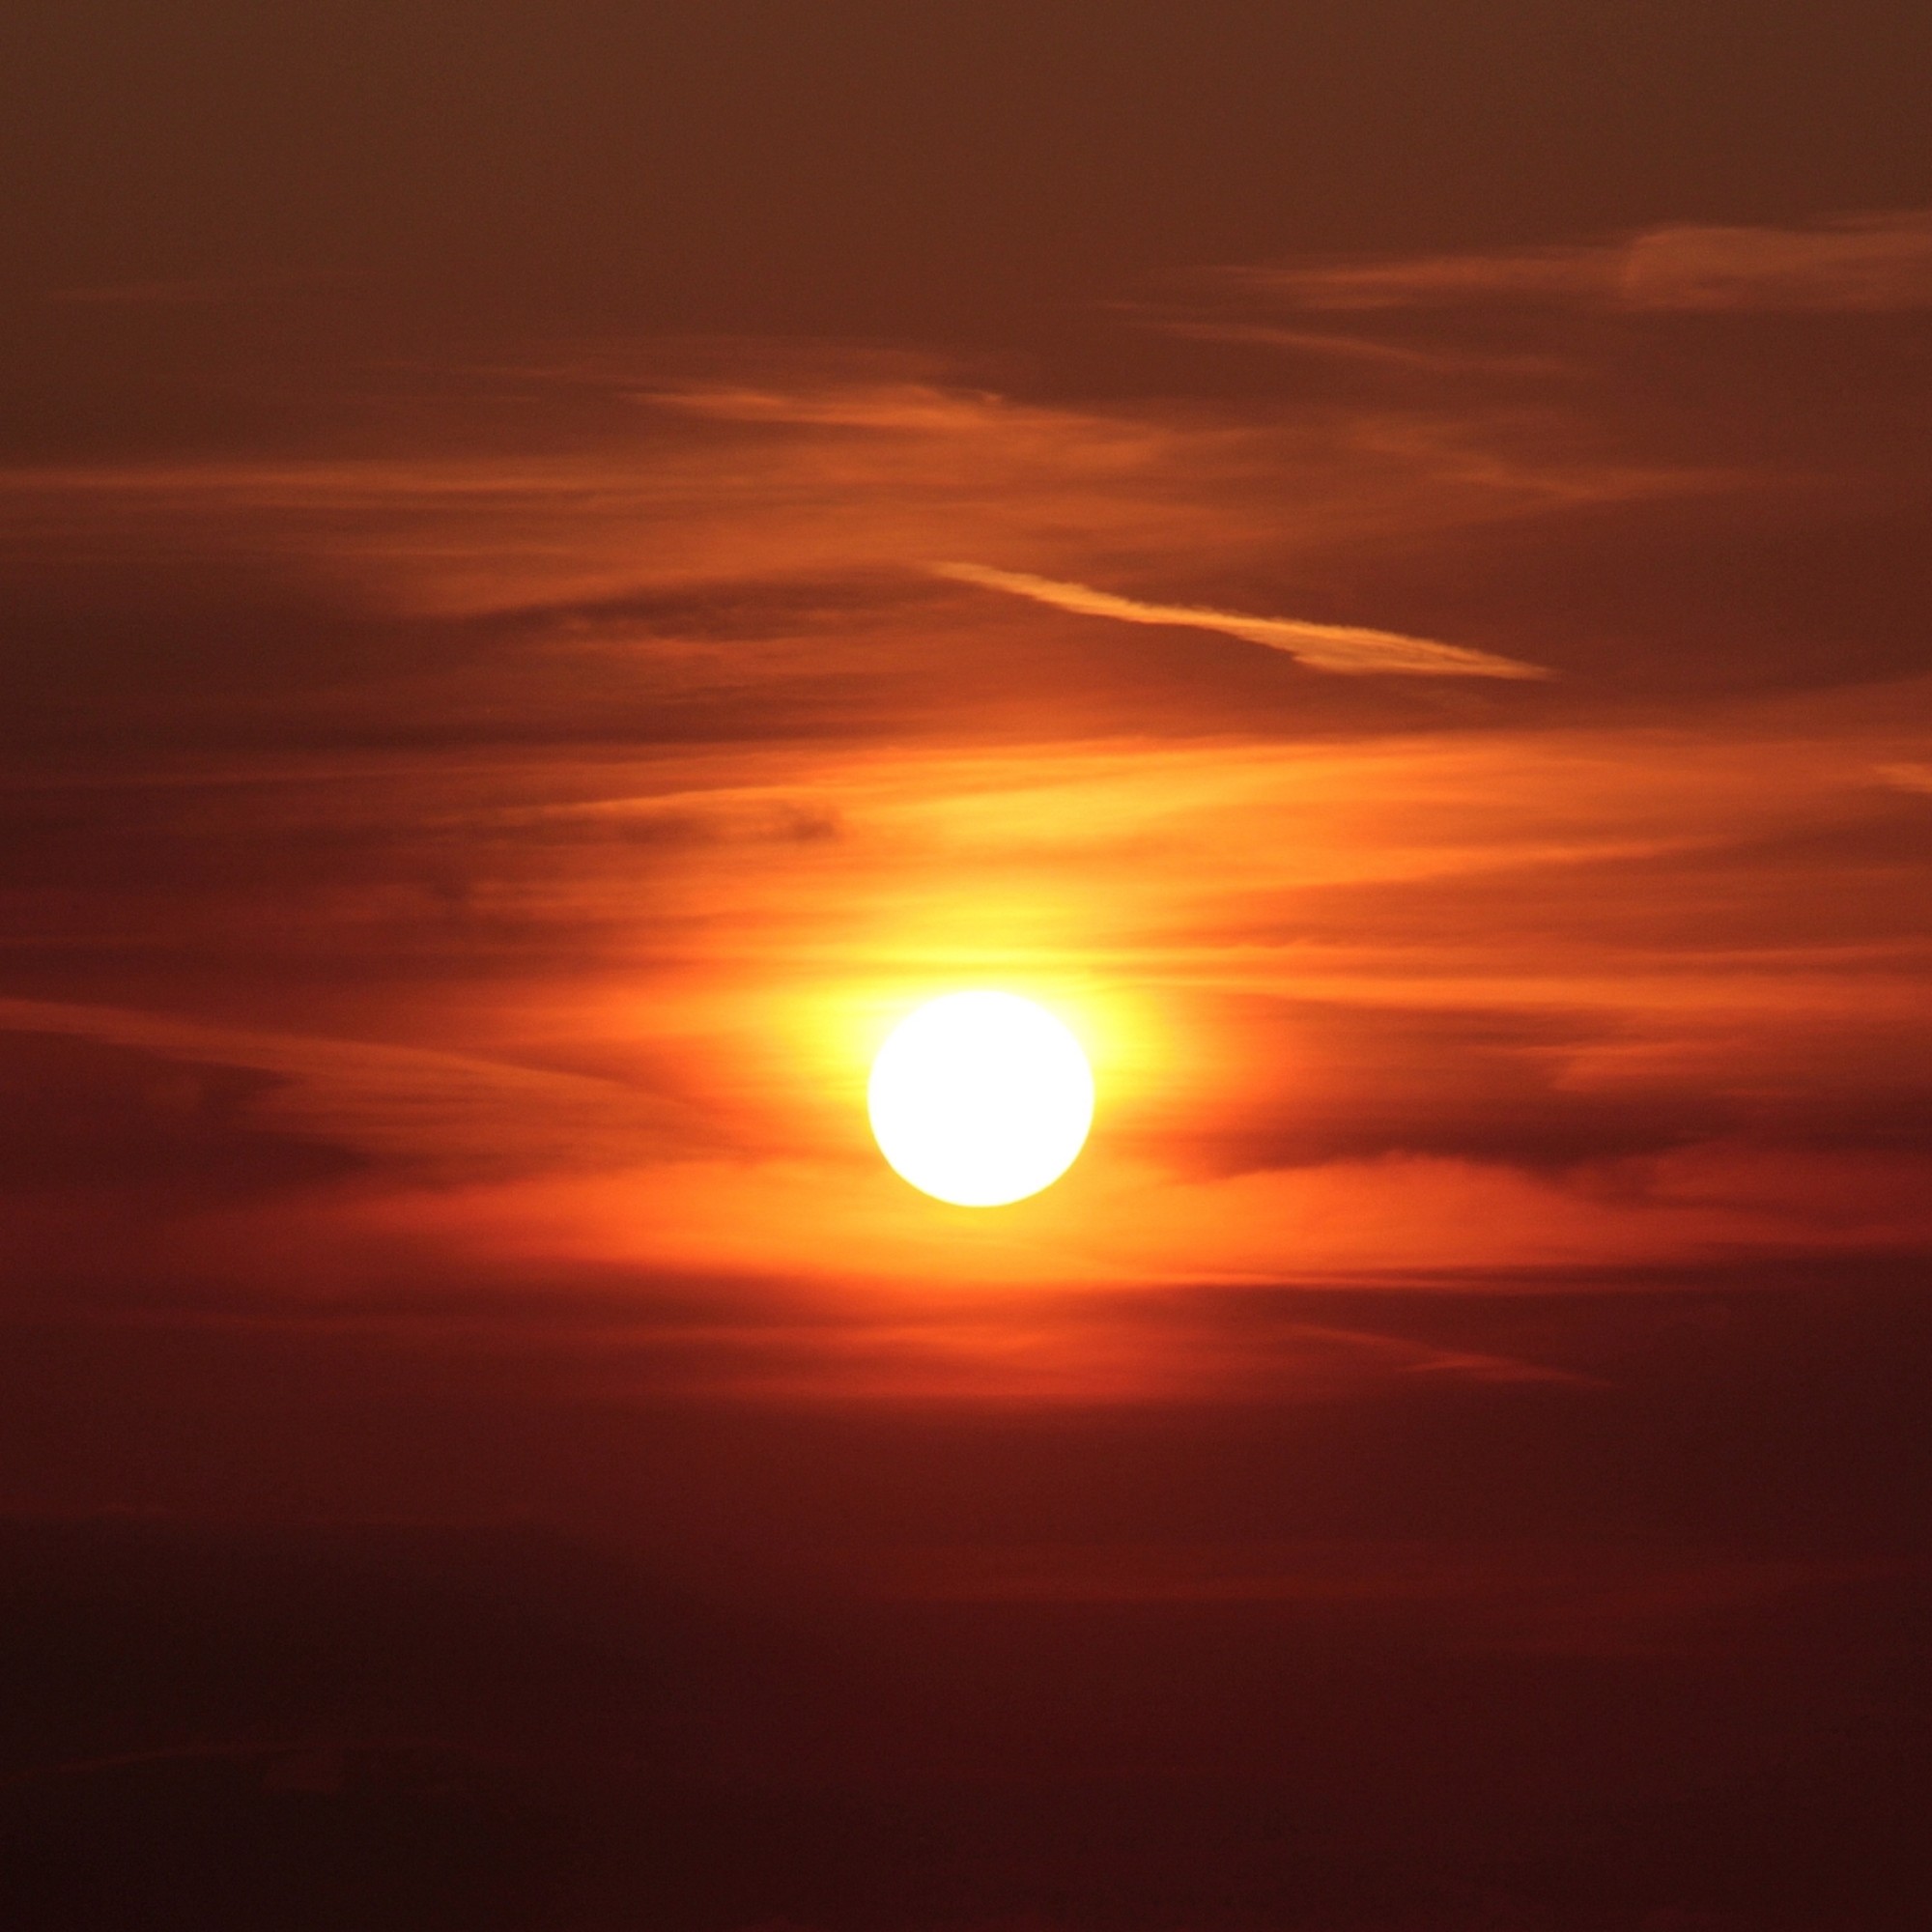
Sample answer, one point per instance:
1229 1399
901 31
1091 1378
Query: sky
567 567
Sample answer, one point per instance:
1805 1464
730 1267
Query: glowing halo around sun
981 1098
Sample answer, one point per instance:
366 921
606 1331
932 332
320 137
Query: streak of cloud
1348 649
450 1113
1361 348
1848 263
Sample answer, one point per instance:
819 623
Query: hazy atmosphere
567 567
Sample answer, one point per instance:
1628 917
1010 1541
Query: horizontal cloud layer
1865 263
1347 648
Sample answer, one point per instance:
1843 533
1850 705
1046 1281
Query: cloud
1344 348
467 860
905 408
1345 648
1847 264
748 559
1871 262
453 1114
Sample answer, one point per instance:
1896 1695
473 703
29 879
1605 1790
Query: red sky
565 566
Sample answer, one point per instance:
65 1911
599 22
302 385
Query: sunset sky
567 566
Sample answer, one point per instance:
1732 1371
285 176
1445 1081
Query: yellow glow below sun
981 1098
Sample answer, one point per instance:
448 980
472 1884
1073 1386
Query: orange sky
551 829
565 567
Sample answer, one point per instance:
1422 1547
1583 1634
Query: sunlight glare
981 1098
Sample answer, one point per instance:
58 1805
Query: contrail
1346 648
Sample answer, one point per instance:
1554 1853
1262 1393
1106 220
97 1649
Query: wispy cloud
1856 262
1860 263
454 1114
1346 648
1344 348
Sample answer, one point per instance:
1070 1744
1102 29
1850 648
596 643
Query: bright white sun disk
981 1098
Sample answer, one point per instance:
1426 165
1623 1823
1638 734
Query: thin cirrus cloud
1348 649
1846 263
1574 994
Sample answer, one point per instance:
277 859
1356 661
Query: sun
981 1098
